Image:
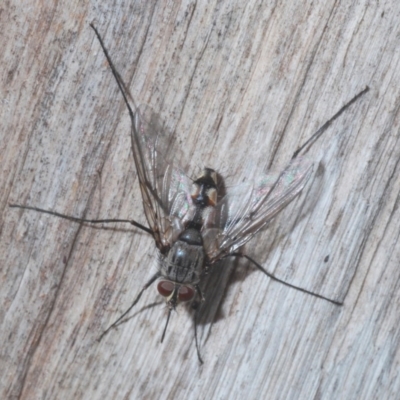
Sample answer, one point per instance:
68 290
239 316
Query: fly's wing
248 208
164 186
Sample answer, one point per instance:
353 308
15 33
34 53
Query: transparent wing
164 186
248 208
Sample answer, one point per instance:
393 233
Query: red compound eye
165 288
185 293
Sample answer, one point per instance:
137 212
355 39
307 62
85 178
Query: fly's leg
196 307
273 277
116 323
308 143
199 293
325 126
83 220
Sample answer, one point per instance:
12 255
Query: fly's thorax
184 262
181 268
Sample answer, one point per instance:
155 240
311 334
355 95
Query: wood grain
243 84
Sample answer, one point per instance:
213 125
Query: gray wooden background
243 84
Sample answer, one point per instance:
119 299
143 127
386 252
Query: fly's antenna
118 321
325 126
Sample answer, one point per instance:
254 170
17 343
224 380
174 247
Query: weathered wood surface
243 83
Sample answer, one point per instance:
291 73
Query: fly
193 228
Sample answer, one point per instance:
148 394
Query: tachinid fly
193 228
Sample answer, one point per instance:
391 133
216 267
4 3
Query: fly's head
174 292
204 193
